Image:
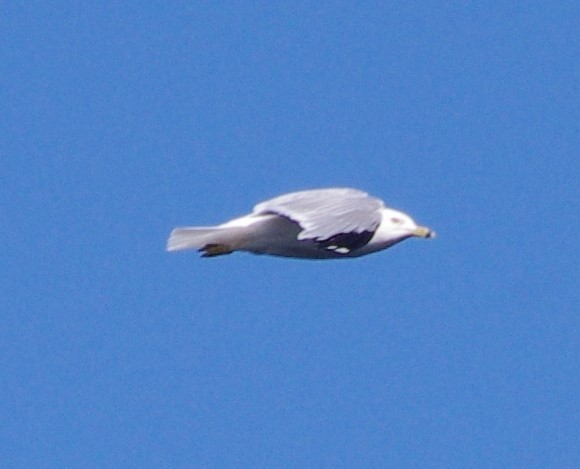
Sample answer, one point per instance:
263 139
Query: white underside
273 235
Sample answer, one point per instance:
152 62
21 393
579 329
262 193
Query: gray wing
325 214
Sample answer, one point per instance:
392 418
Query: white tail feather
191 238
199 237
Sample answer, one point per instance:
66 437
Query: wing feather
325 213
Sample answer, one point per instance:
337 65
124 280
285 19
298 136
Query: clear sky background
119 122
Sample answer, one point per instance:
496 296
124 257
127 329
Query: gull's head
400 225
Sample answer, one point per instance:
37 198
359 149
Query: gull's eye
396 221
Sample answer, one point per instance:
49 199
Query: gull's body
331 223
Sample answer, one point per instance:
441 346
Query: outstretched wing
339 218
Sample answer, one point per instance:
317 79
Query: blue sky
120 122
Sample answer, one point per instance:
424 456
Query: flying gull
332 223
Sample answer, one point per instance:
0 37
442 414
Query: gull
331 223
